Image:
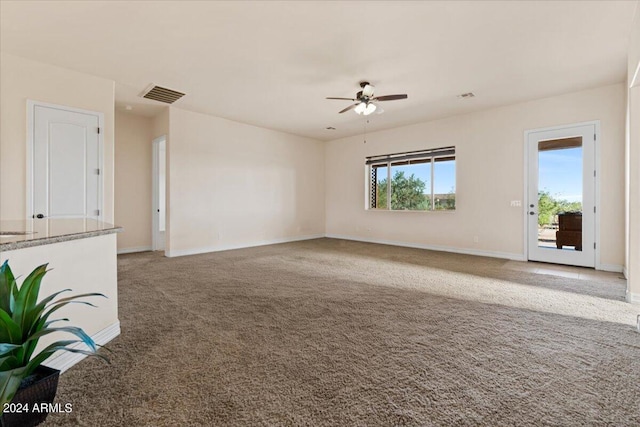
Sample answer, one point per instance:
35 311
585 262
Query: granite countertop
17 234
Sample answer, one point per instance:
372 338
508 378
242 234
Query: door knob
39 216
531 206
532 213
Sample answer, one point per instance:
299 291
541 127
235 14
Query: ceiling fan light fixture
370 108
365 108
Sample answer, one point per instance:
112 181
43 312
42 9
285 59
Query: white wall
133 158
490 173
632 150
234 185
22 79
160 124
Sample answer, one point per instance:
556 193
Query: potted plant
24 382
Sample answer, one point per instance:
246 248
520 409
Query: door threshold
560 270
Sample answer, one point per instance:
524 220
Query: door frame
154 189
525 210
31 104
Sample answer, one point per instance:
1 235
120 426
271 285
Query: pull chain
365 130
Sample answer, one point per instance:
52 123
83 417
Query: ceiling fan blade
390 97
343 99
368 91
350 107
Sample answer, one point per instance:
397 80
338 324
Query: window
415 181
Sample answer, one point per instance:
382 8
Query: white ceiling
271 64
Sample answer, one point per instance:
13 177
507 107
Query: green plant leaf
6 284
43 319
104 347
9 330
28 296
59 346
28 347
32 317
46 300
39 358
50 322
9 362
70 329
5 348
75 297
9 383
61 303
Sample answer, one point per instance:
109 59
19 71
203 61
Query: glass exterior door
561 199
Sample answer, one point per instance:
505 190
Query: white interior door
159 193
561 195
66 163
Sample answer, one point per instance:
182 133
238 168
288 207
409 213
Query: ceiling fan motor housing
366 102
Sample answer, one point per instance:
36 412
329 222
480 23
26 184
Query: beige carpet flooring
331 332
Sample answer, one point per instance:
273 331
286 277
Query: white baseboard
614 268
195 251
134 250
633 298
624 273
477 252
66 359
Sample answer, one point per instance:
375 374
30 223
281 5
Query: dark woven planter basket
42 390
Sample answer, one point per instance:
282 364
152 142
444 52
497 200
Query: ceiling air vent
162 94
466 95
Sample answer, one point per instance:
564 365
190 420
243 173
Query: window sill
414 211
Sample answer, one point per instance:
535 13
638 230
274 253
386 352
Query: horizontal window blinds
411 155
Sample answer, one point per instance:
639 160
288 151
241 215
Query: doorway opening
159 170
561 206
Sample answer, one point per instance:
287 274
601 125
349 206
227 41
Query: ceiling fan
366 102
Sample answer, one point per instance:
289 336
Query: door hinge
594 136
98 171
594 245
98 130
594 174
96 212
594 209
